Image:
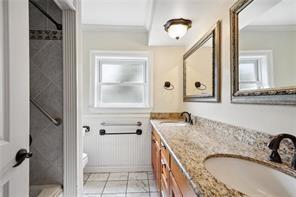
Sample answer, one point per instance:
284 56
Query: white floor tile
138 195
152 185
113 195
115 187
118 176
91 195
93 187
138 186
155 194
138 176
98 177
151 175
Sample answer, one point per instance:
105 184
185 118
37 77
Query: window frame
95 75
264 59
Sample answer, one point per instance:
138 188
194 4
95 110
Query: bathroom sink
251 178
173 123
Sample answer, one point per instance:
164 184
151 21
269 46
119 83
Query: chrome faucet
275 144
188 119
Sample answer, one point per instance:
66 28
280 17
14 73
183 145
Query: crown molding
266 28
114 28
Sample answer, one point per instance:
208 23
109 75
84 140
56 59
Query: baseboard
89 169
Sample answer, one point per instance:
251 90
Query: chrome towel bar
121 124
55 121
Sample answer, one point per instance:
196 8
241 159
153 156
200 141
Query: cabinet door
153 151
157 164
180 179
174 188
165 176
156 161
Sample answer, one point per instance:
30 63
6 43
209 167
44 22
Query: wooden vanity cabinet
174 189
155 157
181 181
169 177
165 171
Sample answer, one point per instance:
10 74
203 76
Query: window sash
144 84
122 62
257 66
145 94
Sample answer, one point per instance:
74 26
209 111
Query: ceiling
134 13
283 13
149 16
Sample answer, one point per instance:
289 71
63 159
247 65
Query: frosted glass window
122 94
122 72
248 71
121 82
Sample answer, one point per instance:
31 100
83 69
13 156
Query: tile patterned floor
120 184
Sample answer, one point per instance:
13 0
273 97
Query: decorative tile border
45 35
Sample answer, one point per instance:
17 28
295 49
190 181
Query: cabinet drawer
156 136
165 154
165 171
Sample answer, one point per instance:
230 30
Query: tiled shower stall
46 88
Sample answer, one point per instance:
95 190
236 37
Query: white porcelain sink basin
251 178
173 123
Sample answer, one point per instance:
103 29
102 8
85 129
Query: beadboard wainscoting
117 153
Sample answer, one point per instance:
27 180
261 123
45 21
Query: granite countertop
191 145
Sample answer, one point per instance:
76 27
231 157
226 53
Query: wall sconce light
200 86
168 86
177 28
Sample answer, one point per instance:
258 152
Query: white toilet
84 159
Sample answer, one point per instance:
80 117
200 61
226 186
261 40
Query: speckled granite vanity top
191 145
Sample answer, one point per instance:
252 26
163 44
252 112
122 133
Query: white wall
167 65
267 118
128 152
283 46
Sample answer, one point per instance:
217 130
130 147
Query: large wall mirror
201 69
263 51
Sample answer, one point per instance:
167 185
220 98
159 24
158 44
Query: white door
14 97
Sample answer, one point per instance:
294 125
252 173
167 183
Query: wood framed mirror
263 48
201 69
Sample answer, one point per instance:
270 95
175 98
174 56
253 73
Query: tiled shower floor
122 184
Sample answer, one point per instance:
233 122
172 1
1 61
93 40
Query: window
255 70
250 76
120 80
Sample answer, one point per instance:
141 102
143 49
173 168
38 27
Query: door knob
21 155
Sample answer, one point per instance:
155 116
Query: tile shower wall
46 87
